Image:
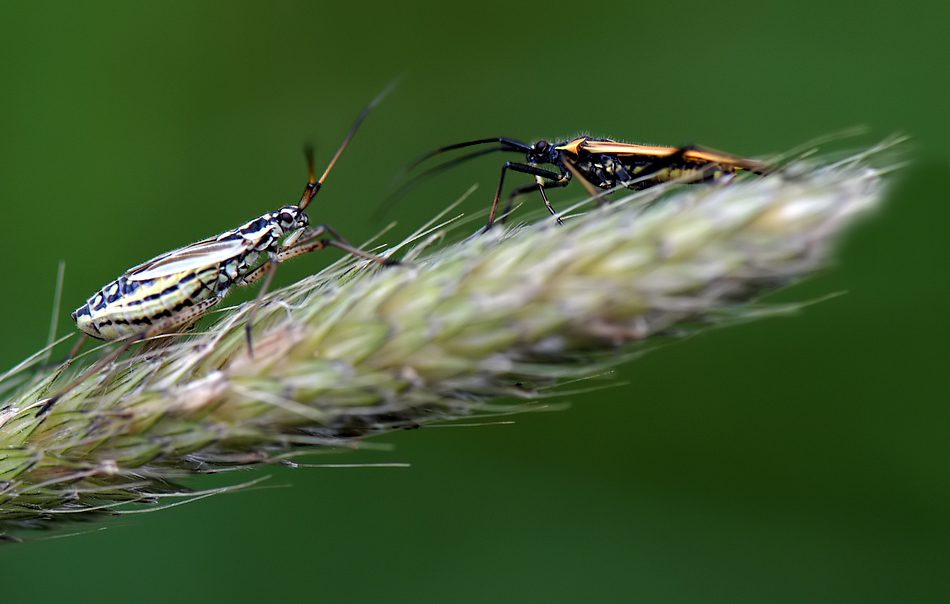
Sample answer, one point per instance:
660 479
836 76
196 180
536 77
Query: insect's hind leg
72 353
185 317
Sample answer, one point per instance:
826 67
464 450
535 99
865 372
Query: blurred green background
788 460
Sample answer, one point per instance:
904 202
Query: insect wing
622 149
197 255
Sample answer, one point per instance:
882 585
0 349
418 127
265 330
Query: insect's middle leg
268 269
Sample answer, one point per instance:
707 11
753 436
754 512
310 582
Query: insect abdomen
620 171
124 308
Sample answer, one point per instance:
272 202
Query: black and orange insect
599 164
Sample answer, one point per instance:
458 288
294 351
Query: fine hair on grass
487 325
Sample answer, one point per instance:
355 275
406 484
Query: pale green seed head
357 350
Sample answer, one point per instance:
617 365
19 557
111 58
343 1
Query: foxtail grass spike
457 331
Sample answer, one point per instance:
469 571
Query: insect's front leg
539 187
315 239
524 169
535 186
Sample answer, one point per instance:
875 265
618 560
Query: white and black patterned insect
175 289
171 290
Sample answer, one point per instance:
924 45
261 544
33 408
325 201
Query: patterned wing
197 255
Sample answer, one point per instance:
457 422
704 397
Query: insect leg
186 317
524 169
308 242
547 203
268 268
76 347
527 189
515 193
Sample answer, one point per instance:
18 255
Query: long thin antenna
504 145
505 142
314 185
404 188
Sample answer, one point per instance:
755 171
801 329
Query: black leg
547 203
529 188
524 169
515 193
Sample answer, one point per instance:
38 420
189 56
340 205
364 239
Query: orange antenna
314 185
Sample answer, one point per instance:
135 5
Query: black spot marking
258 225
128 287
182 305
164 292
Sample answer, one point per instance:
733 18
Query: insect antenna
504 144
314 185
410 184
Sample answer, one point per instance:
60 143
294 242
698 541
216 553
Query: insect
599 164
175 289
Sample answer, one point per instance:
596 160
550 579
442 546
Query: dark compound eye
541 146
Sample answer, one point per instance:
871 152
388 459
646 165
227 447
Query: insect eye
541 146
